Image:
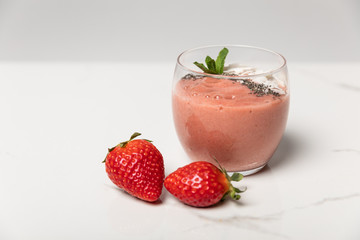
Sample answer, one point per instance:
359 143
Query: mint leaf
220 61
214 67
202 67
210 64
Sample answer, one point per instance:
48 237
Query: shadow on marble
290 146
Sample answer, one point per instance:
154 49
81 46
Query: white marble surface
58 119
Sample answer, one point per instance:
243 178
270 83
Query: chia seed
192 77
259 89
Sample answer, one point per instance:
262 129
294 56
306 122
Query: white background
158 30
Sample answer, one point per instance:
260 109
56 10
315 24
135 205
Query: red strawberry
136 166
202 184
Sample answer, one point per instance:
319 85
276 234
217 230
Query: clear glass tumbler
237 117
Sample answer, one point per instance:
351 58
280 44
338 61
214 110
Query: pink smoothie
221 118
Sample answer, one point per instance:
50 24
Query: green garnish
214 67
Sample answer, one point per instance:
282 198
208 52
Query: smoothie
239 122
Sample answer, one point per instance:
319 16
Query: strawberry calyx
123 144
233 192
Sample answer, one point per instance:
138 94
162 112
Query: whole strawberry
202 184
136 166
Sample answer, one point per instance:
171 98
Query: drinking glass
236 118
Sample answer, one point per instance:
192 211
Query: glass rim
270 72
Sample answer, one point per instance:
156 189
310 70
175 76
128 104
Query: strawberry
202 184
136 166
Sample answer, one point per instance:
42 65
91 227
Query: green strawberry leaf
240 191
135 134
236 177
123 144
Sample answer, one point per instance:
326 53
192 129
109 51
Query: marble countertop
58 119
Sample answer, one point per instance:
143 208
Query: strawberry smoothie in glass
233 109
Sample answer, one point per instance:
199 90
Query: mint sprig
214 67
